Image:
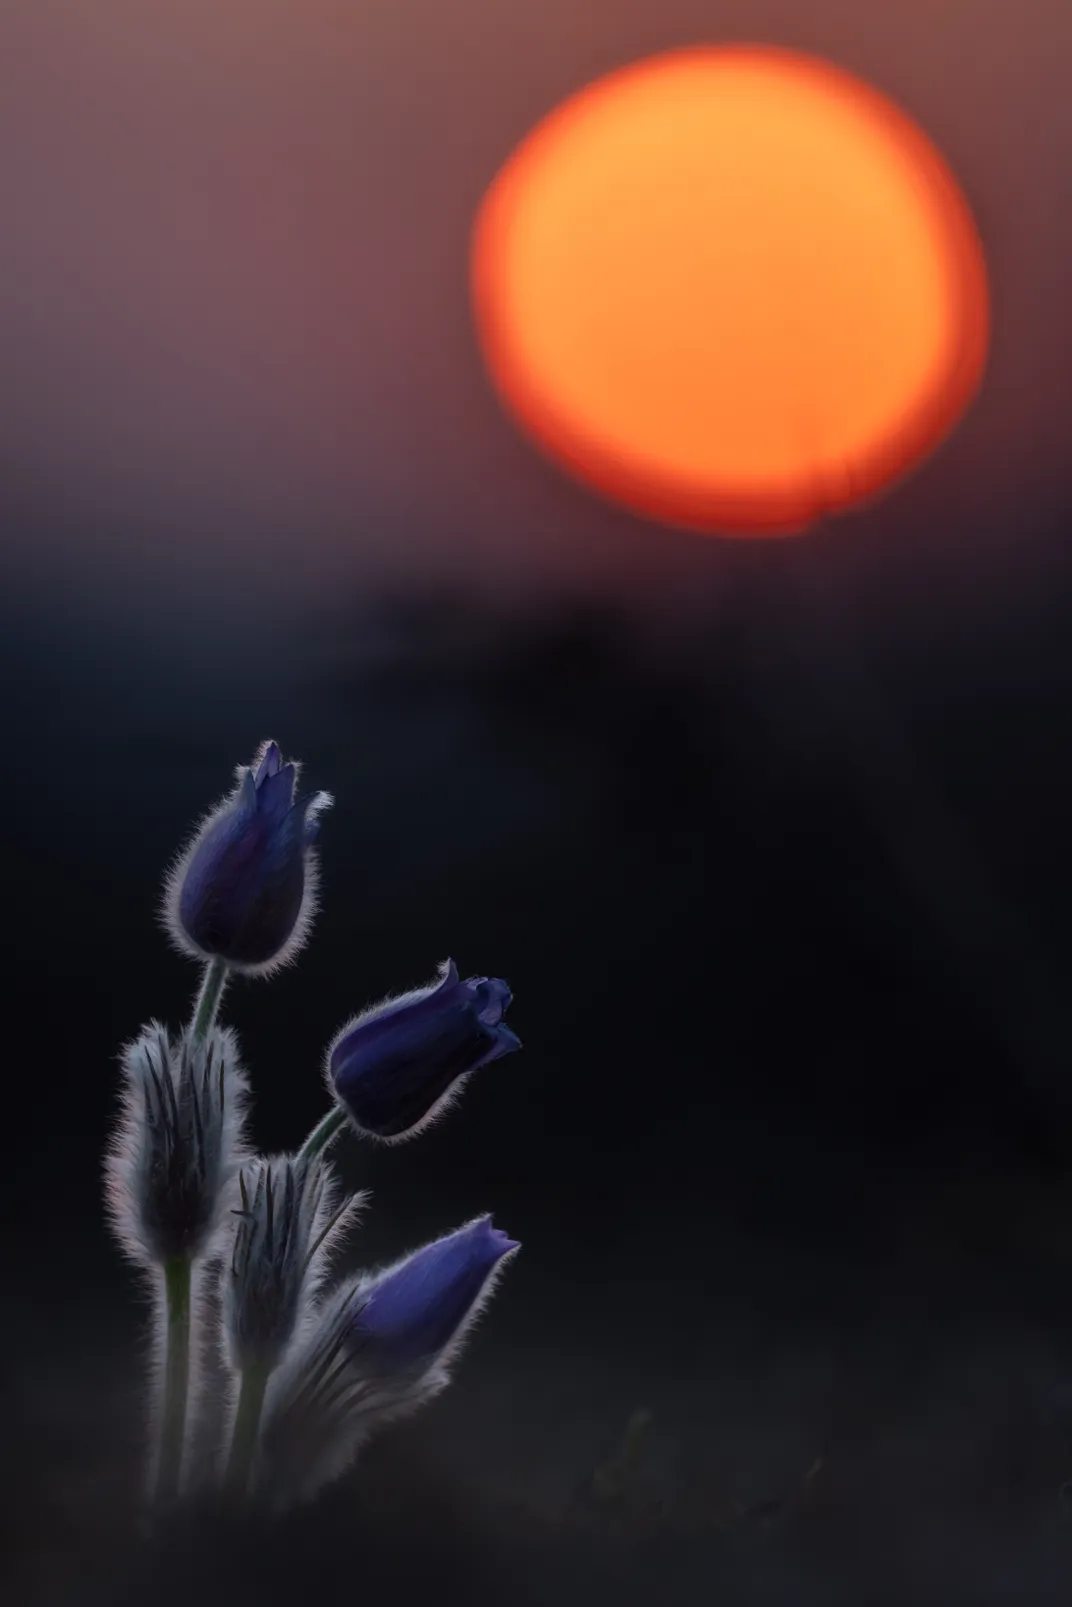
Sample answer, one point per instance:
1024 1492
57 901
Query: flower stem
169 1467
244 1434
323 1134
208 999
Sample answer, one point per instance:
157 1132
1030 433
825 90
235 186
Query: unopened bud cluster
178 1145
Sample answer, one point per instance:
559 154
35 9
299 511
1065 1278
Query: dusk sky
769 838
234 307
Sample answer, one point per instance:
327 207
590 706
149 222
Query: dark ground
784 912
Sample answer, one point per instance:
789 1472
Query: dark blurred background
769 839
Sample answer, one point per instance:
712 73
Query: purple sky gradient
234 325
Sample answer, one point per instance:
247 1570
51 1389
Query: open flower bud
397 1066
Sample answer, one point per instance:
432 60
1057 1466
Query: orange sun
733 289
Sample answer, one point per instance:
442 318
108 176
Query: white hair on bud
170 1170
289 1223
174 1155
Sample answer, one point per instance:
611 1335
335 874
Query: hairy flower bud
172 1163
378 1349
397 1066
244 888
288 1223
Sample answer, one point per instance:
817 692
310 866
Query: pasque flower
288 1221
244 888
394 1068
175 1155
412 1313
240 1246
169 1173
378 1349
286 1229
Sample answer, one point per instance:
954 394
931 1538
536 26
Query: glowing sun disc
732 288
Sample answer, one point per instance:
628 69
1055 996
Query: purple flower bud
380 1348
244 888
412 1312
400 1064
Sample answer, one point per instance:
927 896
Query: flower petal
493 997
275 794
270 764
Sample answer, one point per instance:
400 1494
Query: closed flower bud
288 1222
397 1066
378 1349
244 888
172 1164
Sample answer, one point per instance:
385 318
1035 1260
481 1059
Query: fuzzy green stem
244 1434
323 1134
208 999
169 1467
